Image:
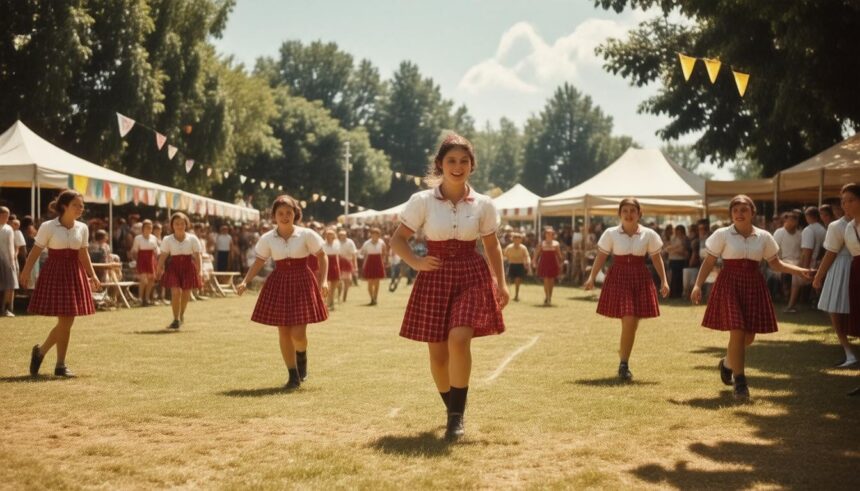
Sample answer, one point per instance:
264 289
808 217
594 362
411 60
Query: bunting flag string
171 151
713 67
125 124
189 163
160 140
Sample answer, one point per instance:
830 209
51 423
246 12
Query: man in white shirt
788 237
8 264
811 247
223 244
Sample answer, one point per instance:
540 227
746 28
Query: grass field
203 407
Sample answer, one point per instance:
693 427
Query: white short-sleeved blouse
54 235
728 243
302 243
472 217
616 242
852 238
347 249
141 243
370 248
172 246
332 249
834 241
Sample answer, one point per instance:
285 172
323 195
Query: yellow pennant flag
81 183
687 64
741 79
713 67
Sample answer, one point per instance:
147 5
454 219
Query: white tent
517 203
661 185
360 217
29 161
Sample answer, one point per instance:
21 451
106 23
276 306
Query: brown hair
629 201
287 200
146 222
5 211
742 199
852 188
66 196
376 230
450 142
180 216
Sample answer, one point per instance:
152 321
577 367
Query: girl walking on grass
331 248
373 251
291 297
628 292
851 205
519 262
184 272
63 287
740 302
145 251
548 262
347 255
455 296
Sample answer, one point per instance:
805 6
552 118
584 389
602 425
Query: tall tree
799 100
570 141
686 157
500 156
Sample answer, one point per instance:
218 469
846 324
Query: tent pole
38 216
586 230
821 188
776 195
33 191
110 220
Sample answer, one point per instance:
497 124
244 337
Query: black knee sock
446 398
740 379
457 400
301 355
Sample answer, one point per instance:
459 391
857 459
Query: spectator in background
678 249
788 238
223 245
811 247
827 215
8 264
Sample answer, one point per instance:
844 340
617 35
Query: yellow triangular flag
741 79
81 183
687 64
713 67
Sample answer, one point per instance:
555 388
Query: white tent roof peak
643 173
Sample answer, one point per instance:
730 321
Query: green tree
686 157
799 100
500 156
568 142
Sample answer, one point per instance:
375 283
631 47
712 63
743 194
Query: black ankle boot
742 391
455 429
294 381
63 371
35 361
302 364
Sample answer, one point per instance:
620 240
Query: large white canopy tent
517 203
373 216
808 181
29 161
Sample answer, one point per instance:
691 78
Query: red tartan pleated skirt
853 327
373 269
290 296
548 266
181 272
146 262
740 299
62 288
628 290
333 268
461 293
345 264
313 263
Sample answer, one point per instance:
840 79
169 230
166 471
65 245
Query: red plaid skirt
146 262
333 268
62 288
740 299
459 294
628 290
290 296
548 266
181 272
313 263
345 264
853 327
373 268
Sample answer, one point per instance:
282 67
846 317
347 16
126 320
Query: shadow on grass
806 428
612 382
28 379
261 392
426 444
157 332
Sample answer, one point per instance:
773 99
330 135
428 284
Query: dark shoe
35 361
742 391
302 366
455 429
63 371
624 372
725 373
855 392
294 381
174 325
846 364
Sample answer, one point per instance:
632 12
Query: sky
498 57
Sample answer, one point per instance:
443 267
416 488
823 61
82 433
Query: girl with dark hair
628 292
63 287
145 252
185 270
740 302
291 297
851 206
331 248
455 296
374 251
548 263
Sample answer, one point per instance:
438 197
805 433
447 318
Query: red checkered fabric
290 296
333 268
146 262
373 268
853 327
740 299
628 289
459 294
181 272
548 266
313 263
62 288
345 265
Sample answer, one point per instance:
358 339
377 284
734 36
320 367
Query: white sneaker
847 364
8 314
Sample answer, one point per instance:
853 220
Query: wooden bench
221 288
